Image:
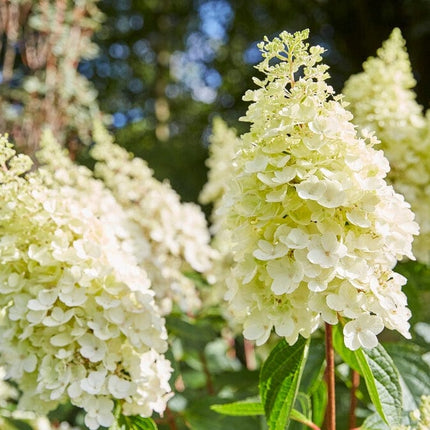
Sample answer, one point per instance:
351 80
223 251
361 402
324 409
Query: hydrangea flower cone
176 232
224 143
78 318
382 99
315 229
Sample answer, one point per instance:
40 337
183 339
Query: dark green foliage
280 379
135 423
414 372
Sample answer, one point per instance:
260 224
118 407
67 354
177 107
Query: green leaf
279 381
299 417
414 372
382 382
374 422
304 405
314 368
243 408
134 422
200 416
380 375
251 408
319 403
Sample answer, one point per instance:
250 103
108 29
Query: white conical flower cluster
60 172
224 144
177 232
382 100
315 229
78 317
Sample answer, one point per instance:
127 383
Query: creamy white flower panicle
78 318
382 100
176 232
315 229
59 171
222 149
224 144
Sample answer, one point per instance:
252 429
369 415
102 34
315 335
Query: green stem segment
331 405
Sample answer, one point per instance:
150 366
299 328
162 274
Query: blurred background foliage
165 68
41 46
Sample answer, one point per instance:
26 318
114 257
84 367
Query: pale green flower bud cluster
177 232
382 100
315 229
78 318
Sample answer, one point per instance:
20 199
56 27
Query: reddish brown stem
171 419
313 426
355 382
209 383
249 349
310 424
331 404
231 350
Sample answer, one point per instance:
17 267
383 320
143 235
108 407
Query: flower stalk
331 405
171 419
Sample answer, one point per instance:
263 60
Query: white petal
367 339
